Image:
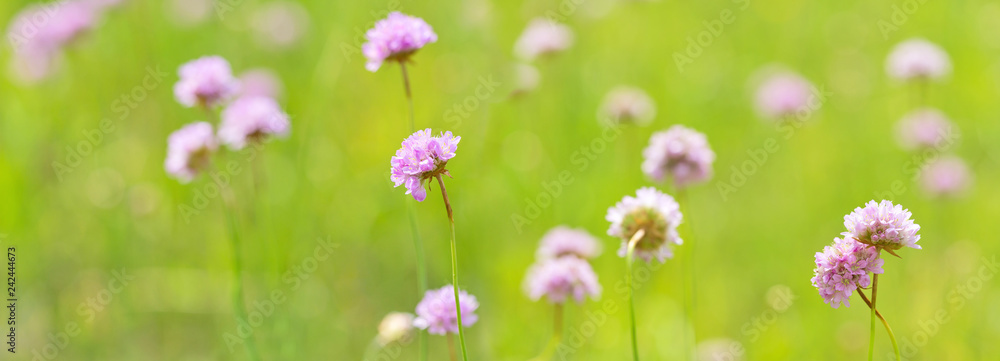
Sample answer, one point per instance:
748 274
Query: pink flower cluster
924 128
396 38
918 59
189 150
421 157
681 153
543 37
883 225
206 82
562 270
784 95
437 311
844 267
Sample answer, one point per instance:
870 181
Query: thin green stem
239 305
628 283
418 242
557 328
454 268
688 274
892 336
871 340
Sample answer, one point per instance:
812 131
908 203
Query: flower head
918 59
189 150
207 82
396 38
882 225
681 153
561 278
783 95
542 37
422 157
652 211
252 118
627 104
844 267
279 24
437 311
923 128
39 33
564 241
260 82
946 177
396 326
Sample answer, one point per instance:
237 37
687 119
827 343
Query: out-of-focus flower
279 24
947 176
782 95
627 105
923 128
654 212
542 37
882 225
918 59
188 12
564 241
396 326
437 311
395 38
206 81
527 78
843 268
561 278
681 153
260 82
422 157
39 33
189 150
252 119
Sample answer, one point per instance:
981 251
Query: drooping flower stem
418 243
239 306
892 336
628 283
454 267
871 340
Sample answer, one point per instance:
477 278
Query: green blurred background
117 209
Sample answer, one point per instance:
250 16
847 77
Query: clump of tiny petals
189 150
681 153
542 37
206 82
561 278
252 118
40 32
565 241
627 105
395 38
421 157
948 176
844 267
782 95
395 327
655 212
918 59
923 128
883 225
436 312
